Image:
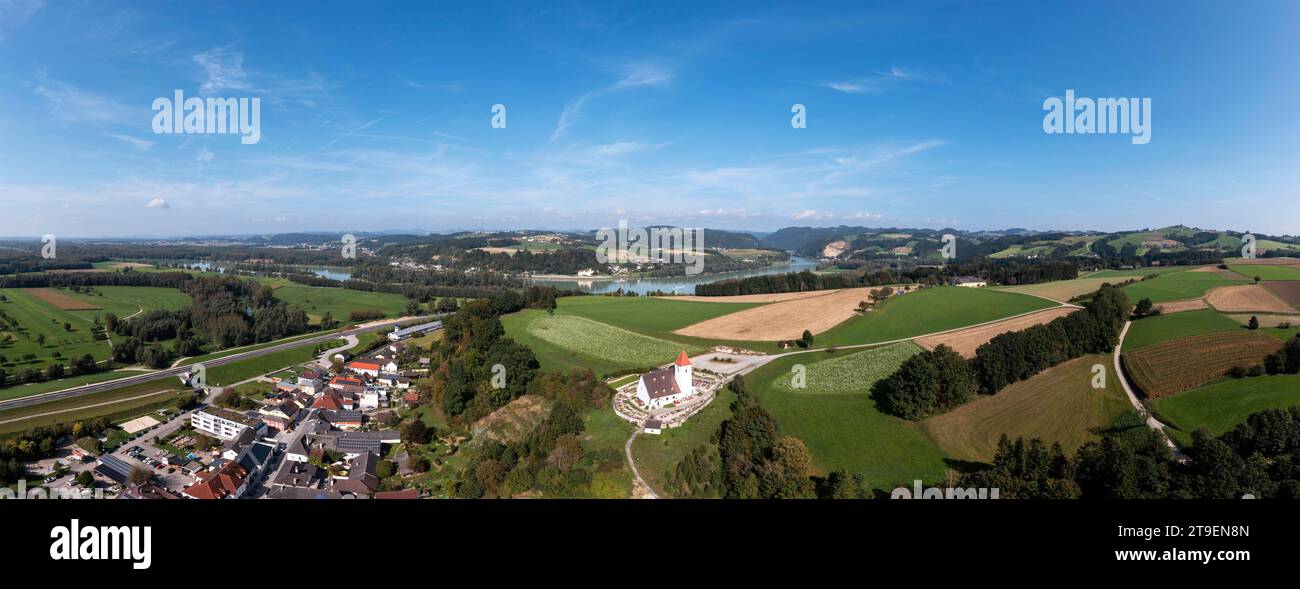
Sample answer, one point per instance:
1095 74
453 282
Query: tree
139 475
1254 323
412 307
1143 308
40 339
414 432
806 341
85 479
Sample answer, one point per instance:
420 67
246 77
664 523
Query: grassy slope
1176 286
38 317
1221 406
1265 271
927 311
340 302
116 403
1154 330
15 391
125 301
658 455
1057 405
847 431
231 373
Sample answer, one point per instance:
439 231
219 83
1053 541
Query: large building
223 423
667 385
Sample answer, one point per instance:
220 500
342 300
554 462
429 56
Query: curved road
100 387
1151 420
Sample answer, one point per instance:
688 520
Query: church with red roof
668 385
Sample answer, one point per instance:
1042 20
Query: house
298 474
229 482
412 396
970 281
284 492
281 416
147 491
352 443
223 423
310 381
361 479
367 368
347 383
390 366
668 385
285 386
330 401
234 448
257 457
342 419
652 426
403 494
374 398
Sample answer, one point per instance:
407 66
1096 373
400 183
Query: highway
175 372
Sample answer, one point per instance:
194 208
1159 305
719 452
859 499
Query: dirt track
781 320
1246 297
965 341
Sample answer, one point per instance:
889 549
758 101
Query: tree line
937 381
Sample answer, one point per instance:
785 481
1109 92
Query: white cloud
880 81
634 76
224 69
157 203
204 155
136 142
810 214
74 105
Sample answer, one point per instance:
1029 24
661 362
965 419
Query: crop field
1162 328
966 341
1134 273
125 301
1288 291
1266 271
1063 290
339 302
35 318
562 341
846 373
1186 363
1176 286
783 320
1245 298
651 316
1056 405
59 300
846 431
930 310
1181 306
1221 406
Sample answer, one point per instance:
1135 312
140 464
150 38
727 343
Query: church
667 385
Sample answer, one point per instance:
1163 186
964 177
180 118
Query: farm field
339 302
846 431
783 320
966 341
1062 290
1161 328
1186 363
1182 306
1288 291
1219 407
651 316
846 372
125 301
569 341
930 310
36 318
1266 271
1176 286
1246 298
1056 405
1134 273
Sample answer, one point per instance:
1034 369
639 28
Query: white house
667 385
971 282
223 423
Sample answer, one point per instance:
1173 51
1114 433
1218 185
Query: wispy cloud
136 142
13 13
72 104
882 81
634 76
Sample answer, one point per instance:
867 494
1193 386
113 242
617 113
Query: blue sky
378 118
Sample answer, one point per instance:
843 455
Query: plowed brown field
965 341
1189 362
1245 298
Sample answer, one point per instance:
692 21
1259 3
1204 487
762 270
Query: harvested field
1287 290
1221 272
1180 306
60 300
783 320
1186 363
1064 290
965 341
1267 261
1268 320
1246 298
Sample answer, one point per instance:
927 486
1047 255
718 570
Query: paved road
100 387
1152 422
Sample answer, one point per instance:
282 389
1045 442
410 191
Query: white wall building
668 385
223 423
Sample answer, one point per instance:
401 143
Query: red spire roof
682 360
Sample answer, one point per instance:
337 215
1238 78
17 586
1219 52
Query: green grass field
652 316
563 341
1161 328
15 391
1176 286
605 435
125 301
36 318
1265 271
927 311
1134 273
245 369
1219 407
828 373
658 455
846 431
339 302
1057 405
119 403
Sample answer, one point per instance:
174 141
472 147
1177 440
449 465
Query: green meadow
927 311
1265 271
339 302
1219 407
1176 286
1161 328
